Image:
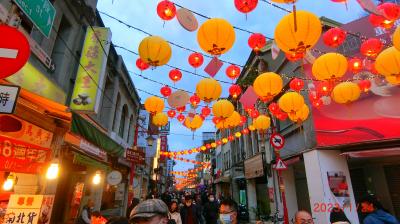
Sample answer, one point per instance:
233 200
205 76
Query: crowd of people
188 208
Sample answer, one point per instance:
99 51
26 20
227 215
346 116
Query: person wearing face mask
210 211
190 214
151 211
228 212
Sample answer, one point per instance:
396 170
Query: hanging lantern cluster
390 13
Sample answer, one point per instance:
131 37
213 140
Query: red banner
22 157
163 147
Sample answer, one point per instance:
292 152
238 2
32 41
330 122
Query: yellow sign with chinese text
91 75
36 82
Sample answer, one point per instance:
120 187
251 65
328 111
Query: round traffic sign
277 141
14 50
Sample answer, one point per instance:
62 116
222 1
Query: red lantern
141 65
355 65
194 100
196 59
205 111
257 41
294 56
166 10
334 37
246 6
274 108
216 120
255 114
181 109
371 47
249 109
324 88
231 138
245 131
296 84
165 91
232 71
317 103
219 142
202 117
391 13
208 146
175 75
243 120
365 85
171 113
281 116
313 96
180 117
235 91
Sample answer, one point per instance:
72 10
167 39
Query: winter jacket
210 212
380 217
176 216
195 212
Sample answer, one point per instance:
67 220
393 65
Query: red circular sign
277 141
14 50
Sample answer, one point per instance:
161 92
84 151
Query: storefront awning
224 179
374 153
87 161
88 131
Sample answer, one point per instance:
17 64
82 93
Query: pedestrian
86 213
151 211
135 201
190 214
228 212
303 217
375 213
174 212
210 211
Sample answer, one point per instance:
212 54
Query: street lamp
96 178
52 171
150 140
9 183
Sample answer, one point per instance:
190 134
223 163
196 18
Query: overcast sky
142 14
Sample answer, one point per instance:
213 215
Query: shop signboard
163 147
136 155
254 167
8 98
31 79
92 149
22 157
114 177
46 209
30 133
375 116
89 81
41 12
165 129
23 209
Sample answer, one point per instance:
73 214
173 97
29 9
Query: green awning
87 161
88 131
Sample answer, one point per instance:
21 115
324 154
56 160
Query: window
124 115
129 129
116 112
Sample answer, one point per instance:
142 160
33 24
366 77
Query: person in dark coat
375 213
190 214
135 201
211 210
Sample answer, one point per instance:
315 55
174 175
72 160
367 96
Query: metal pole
282 188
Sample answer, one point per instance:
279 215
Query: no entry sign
14 51
277 141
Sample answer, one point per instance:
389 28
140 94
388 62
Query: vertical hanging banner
91 75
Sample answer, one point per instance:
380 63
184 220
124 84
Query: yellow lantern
267 85
155 51
224 140
251 128
213 144
160 119
298 38
393 80
262 123
193 123
208 90
238 134
329 66
223 109
216 36
346 92
387 62
396 38
154 105
301 115
291 102
232 121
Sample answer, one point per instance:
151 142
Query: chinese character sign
24 209
8 98
90 78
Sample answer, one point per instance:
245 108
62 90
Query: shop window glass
122 122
